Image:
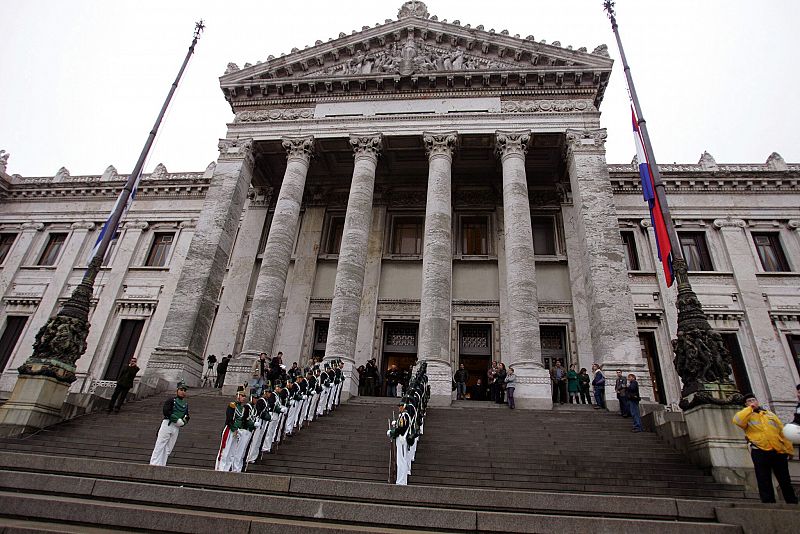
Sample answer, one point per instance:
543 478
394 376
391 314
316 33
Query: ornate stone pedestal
35 403
716 443
441 382
533 390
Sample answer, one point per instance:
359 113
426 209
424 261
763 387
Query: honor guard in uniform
311 390
339 370
276 408
397 433
236 431
293 391
302 383
326 390
319 390
334 386
262 419
283 396
176 414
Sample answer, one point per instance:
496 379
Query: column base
533 389
167 367
239 373
716 443
440 378
35 403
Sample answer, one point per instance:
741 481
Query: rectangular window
794 346
770 252
629 245
55 243
695 251
738 366
15 324
6 242
110 252
334 238
407 232
475 235
544 236
647 342
159 251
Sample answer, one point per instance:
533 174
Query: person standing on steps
511 383
769 449
235 431
392 379
500 379
222 369
599 385
259 372
461 377
583 384
176 414
633 399
621 387
573 387
263 416
558 376
124 385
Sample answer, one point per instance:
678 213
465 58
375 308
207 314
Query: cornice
758 181
187 185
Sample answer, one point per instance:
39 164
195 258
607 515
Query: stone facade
417 189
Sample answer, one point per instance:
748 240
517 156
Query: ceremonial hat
240 391
278 384
182 385
748 396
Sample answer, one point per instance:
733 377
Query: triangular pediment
417 43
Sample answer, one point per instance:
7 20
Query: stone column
437 267
612 323
349 285
266 306
179 354
533 381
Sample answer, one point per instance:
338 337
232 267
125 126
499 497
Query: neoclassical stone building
419 189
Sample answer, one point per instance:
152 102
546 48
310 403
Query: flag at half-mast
105 224
656 216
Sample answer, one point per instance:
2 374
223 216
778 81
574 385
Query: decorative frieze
278 114
546 106
729 222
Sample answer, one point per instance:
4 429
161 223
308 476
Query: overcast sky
83 80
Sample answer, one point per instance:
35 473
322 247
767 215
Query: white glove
284 409
258 424
179 423
389 433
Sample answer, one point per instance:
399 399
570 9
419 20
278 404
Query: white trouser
323 401
402 460
288 427
281 424
255 446
227 446
312 412
339 392
413 451
271 430
309 404
167 436
301 413
331 397
240 450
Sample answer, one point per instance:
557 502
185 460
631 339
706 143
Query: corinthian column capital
440 143
512 143
301 148
233 149
586 141
366 145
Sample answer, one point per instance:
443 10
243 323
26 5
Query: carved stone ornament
82 225
299 147
440 144
369 145
512 143
61 175
110 174
546 106
159 173
232 67
235 148
601 50
4 160
586 140
413 8
729 223
775 162
264 115
707 162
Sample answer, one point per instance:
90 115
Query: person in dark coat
124 385
477 391
500 382
583 384
222 368
633 398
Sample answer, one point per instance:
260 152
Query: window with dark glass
335 231
6 241
110 252
55 242
407 235
159 250
544 236
794 346
629 245
475 235
770 252
695 251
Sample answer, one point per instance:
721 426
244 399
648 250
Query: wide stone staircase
477 470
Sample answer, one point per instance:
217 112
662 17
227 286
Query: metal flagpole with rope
62 340
701 358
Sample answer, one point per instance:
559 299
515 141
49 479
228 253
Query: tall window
629 245
475 235
794 346
770 252
159 250
740 377
8 341
55 243
407 232
695 251
544 236
6 241
334 239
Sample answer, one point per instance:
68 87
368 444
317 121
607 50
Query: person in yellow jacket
769 450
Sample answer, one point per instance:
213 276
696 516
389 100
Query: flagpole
62 340
701 359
